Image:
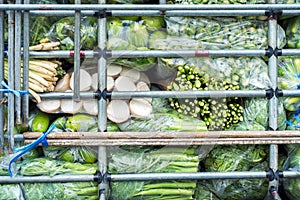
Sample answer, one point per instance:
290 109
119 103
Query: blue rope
24 149
18 93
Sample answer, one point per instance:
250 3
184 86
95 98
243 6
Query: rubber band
24 149
18 93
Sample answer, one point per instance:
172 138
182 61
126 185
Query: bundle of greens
292 32
63 32
224 33
289 79
291 186
74 190
147 160
134 33
11 191
257 110
234 158
46 166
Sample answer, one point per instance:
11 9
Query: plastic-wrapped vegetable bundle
291 186
257 109
226 1
224 33
292 32
63 32
74 190
146 159
288 73
134 34
234 158
11 191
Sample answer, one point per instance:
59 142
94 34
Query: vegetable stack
151 160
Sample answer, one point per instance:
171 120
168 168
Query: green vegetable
41 122
292 32
152 159
234 158
153 23
80 122
11 191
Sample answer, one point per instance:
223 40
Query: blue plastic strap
18 93
24 149
296 116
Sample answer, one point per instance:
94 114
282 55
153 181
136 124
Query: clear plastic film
234 158
11 191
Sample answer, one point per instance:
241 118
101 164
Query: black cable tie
269 52
103 13
277 52
270 93
98 95
98 53
107 177
106 94
98 177
271 14
270 174
279 173
278 93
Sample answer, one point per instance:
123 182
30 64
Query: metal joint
107 177
103 14
98 53
277 52
98 177
273 14
106 94
270 93
98 95
279 173
269 52
278 93
270 174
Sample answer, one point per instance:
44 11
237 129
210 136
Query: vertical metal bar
76 88
18 31
102 115
25 98
1 79
273 103
11 75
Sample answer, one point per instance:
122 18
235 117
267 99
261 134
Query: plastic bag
152 159
235 158
291 186
63 31
289 79
224 33
257 109
11 191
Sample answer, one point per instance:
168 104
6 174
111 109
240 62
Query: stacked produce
225 32
292 32
288 72
147 159
234 158
119 78
11 191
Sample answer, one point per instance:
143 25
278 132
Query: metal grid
16 105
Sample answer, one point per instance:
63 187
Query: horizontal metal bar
184 53
161 94
47 179
215 13
149 7
291 174
291 93
67 95
187 176
17 137
189 94
61 54
290 52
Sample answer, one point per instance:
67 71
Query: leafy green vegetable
11 192
235 158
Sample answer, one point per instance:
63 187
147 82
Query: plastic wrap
291 186
257 109
152 159
134 33
74 190
234 158
224 33
11 191
292 32
288 73
63 32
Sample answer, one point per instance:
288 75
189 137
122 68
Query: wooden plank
172 141
164 135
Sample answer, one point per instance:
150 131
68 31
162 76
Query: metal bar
82 7
17 137
291 174
162 94
290 52
26 39
47 179
76 80
11 75
291 93
215 13
273 103
187 176
152 53
18 33
1 79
